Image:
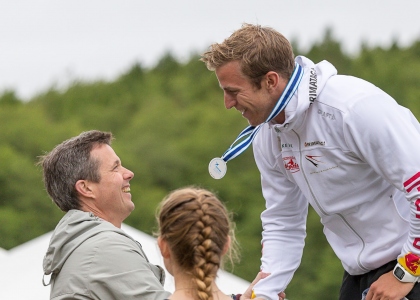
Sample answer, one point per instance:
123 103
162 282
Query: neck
185 287
184 290
214 288
189 293
98 213
280 118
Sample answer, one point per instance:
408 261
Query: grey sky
51 42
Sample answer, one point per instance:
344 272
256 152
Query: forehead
230 76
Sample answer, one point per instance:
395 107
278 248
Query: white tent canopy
21 268
3 253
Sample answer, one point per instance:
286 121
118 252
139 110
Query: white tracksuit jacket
353 154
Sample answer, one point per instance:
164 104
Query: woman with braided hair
195 232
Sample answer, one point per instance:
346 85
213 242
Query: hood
73 229
300 102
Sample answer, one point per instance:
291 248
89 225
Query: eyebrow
229 89
117 162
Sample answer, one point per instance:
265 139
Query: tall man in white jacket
336 142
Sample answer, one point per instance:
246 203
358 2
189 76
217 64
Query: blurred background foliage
169 122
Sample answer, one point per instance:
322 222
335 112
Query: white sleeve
387 137
284 227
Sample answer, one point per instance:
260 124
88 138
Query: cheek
244 98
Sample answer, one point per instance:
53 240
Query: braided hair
196 226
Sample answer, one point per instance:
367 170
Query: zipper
323 211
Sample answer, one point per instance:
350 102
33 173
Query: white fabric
348 156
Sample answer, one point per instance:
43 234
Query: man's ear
164 248
83 188
272 80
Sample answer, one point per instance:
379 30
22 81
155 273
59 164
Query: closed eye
117 164
231 92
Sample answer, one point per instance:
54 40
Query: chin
132 207
129 204
250 122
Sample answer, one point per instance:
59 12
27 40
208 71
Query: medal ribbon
251 131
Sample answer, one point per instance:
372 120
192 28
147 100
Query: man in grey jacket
89 256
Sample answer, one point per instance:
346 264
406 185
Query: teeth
126 189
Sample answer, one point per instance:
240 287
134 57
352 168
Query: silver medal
217 168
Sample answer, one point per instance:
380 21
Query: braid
197 227
207 253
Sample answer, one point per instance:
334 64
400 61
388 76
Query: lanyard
217 166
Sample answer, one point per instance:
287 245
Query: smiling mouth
126 189
242 111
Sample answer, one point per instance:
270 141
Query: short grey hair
69 162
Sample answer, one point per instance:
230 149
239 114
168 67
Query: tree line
169 121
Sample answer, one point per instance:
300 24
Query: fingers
264 275
260 275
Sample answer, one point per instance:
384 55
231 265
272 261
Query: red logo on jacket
290 164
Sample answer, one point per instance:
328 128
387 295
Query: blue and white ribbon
251 131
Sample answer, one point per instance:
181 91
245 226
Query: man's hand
388 287
248 293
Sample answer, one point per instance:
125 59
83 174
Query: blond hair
258 49
196 226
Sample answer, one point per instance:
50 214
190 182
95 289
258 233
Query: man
336 142
89 256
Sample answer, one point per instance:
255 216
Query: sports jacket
353 154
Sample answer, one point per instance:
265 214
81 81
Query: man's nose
229 101
128 174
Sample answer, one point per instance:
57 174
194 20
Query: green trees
169 122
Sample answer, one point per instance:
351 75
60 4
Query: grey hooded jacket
89 258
